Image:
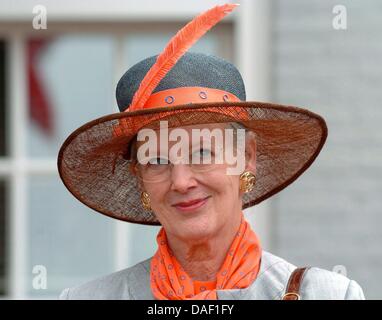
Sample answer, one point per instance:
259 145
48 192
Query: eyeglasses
202 160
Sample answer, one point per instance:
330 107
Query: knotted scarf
169 281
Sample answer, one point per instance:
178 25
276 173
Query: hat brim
93 166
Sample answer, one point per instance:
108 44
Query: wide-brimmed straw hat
184 89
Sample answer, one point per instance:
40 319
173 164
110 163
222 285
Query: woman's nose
182 178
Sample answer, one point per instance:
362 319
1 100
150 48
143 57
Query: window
71 80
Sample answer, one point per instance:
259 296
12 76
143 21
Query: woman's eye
158 160
204 152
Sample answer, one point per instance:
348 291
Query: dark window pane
2 99
3 280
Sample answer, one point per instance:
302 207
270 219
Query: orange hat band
186 95
180 96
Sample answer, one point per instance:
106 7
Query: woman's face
179 183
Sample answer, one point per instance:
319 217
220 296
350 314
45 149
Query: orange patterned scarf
169 281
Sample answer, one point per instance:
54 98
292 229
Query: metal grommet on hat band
169 99
203 94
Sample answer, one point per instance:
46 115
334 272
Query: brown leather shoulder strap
292 291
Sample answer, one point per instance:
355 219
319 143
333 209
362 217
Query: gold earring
247 181
145 199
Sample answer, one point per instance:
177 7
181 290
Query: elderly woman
189 153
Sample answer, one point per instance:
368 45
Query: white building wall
332 214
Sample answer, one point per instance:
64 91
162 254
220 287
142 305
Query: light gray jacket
134 284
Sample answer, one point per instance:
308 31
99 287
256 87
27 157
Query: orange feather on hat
175 49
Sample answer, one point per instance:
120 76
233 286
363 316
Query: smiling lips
191 205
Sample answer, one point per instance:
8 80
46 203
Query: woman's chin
196 231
